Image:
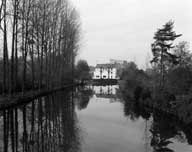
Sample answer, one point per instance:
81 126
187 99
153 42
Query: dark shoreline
10 102
97 82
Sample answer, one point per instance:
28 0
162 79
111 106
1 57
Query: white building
105 71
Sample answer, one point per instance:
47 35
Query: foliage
82 70
179 77
184 57
179 80
133 78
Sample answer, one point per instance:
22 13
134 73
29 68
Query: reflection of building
105 71
105 91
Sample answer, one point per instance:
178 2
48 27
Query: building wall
102 73
96 74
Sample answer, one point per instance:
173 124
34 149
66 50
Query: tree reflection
134 110
163 127
46 124
162 130
83 96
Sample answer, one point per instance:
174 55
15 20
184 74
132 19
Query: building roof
114 61
105 66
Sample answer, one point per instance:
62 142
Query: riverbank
19 99
175 105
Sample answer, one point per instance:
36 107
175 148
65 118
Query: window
104 76
97 76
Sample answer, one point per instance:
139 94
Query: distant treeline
40 40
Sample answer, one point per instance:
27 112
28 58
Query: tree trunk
13 48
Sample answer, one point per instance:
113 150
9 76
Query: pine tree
161 49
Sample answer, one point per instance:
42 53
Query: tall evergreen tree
161 48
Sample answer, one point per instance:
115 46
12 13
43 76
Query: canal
91 119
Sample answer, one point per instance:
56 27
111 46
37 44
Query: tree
5 49
132 79
82 70
161 49
180 76
129 68
179 80
184 57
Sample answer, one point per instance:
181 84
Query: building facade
105 71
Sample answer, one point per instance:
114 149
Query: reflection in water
164 129
46 124
135 110
52 123
108 91
83 96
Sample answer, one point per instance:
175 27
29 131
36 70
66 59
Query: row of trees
44 42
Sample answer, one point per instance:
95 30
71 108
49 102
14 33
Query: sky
124 29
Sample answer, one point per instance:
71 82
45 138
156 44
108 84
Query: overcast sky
124 29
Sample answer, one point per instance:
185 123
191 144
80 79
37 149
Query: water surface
91 119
